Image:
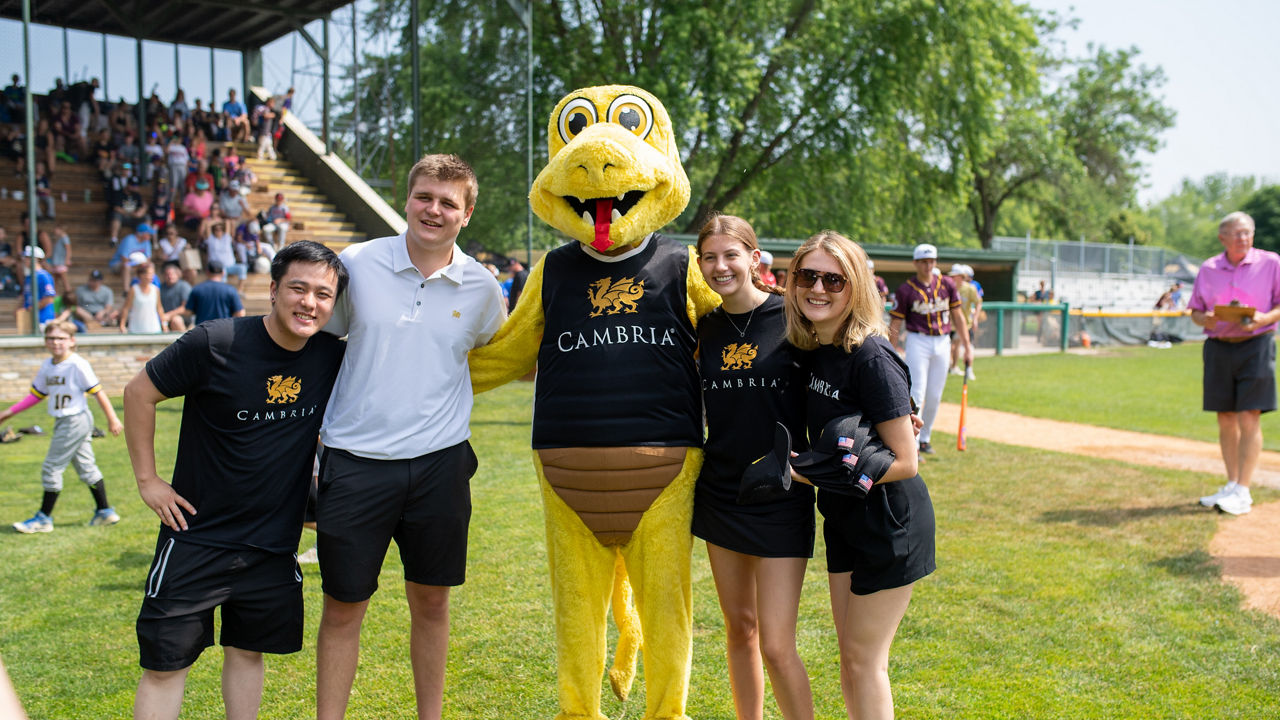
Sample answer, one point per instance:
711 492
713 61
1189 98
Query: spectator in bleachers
213 298
81 97
196 208
15 98
56 97
44 192
45 145
220 246
121 121
64 308
178 158
278 217
57 250
104 153
12 144
178 109
155 110
128 151
128 209
170 245
139 241
265 125
8 259
201 172
236 118
95 301
199 147
233 205
67 134
161 208
173 298
44 285
141 312
154 158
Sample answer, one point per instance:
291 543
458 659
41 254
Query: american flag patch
865 482
850 460
844 443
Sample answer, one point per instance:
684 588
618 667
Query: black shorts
424 504
886 541
260 594
783 528
1240 376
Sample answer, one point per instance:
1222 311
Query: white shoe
969 375
955 370
1225 490
1237 503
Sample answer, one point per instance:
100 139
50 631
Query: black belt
1237 340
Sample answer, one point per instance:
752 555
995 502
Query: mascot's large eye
578 115
632 113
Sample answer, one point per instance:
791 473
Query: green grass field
1067 588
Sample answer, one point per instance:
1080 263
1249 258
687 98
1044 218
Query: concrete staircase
314 218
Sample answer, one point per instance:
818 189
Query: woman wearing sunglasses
879 546
758 552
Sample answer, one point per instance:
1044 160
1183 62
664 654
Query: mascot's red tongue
604 219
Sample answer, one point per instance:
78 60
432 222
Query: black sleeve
882 384
181 367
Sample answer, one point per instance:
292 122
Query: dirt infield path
1246 547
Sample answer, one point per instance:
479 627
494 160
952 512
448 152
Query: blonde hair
449 168
862 318
735 228
65 326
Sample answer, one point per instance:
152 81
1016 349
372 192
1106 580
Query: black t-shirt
751 379
250 424
616 363
871 379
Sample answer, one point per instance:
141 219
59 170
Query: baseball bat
964 406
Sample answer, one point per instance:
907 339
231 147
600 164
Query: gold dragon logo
282 390
610 298
737 357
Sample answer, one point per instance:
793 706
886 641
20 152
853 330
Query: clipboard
1233 313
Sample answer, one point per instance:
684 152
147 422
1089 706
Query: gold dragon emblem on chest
611 298
736 356
282 390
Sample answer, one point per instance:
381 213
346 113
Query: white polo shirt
404 389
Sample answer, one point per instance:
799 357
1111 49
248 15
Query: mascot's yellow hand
513 351
702 299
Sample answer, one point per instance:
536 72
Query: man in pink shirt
1240 352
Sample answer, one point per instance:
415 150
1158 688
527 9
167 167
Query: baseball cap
234 185
145 228
30 250
768 478
925 251
766 258
848 457
95 275
957 269
871 264
137 257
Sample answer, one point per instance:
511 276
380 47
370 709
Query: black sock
99 490
46 505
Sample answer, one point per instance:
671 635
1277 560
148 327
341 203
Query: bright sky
1220 66
1220 73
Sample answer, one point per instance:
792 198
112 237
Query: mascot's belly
610 488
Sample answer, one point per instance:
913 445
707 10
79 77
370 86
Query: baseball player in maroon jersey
929 306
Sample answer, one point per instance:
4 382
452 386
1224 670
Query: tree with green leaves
1190 216
842 110
1264 207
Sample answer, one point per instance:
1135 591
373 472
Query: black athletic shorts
886 541
424 504
1240 376
260 594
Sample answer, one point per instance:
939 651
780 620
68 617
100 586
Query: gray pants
72 444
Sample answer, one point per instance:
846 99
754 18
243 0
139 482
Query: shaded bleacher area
86 222
1113 292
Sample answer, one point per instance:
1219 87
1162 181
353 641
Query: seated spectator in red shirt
201 173
196 207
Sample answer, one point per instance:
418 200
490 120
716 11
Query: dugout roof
227 24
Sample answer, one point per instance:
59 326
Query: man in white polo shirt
397 464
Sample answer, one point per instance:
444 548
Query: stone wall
116 359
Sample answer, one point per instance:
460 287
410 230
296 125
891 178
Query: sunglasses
832 282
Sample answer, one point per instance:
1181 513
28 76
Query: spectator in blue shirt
214 298
139 241
236 116
44 284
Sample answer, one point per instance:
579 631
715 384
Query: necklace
743 332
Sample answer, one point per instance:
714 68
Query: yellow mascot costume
609 322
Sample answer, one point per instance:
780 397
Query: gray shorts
1240 376
71 444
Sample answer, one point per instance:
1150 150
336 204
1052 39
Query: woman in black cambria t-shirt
758 552
879 546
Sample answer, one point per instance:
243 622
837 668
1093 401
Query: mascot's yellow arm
701 298
513 352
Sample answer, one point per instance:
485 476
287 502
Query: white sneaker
1225 490
955 370
1237 503
969 374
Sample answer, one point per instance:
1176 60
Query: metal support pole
213 81
177 70
324 125
30 119
528 90
1000 331
66 60
141 107
415 89
355 83
106 93
1066 318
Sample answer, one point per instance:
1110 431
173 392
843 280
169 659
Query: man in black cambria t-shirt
256 390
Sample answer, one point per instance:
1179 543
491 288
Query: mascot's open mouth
602 212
